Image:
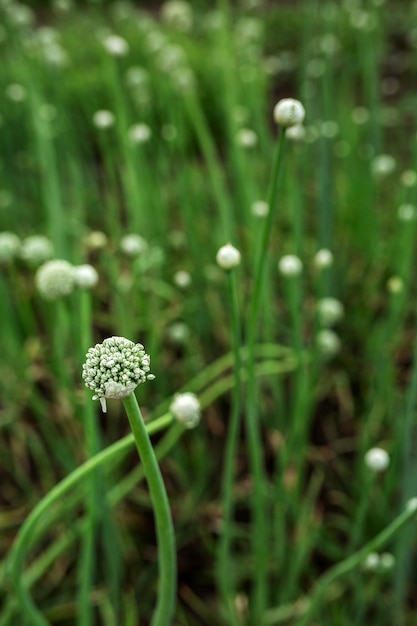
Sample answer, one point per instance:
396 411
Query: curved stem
27 531
164 527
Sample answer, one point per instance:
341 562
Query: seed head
36 249
186 409
228 257
289 112
328 342
329 311
290 265
116 46
9 246
323 259
133 245
55 279
114 368
103 119
377 459
85 276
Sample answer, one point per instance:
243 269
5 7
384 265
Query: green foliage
185 182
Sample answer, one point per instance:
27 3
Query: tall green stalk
225 561
259 493
164 527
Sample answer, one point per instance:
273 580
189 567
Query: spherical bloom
178 14
116 46
260 208
387 561
133 244
179 333
114 368
182 279
103 119
228 257
16 92
247 138
9 246
409 178
323 258
395 285
329 311
296 132
139 133
96 240
360 115
372 561
407 212
37 249
383 165
186 409
289 112
55 279
290 265
85 276
377 459
411 504
328 342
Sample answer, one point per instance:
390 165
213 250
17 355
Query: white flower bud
96 240
103 119
182 279
328 342
323 259
114 368
247 138
386 561
407 212
55 279
297 132
289 112
37 249
329 311
377 459
260 208
85 276
178 14
133 245
290 265
409 178
372 561
411 504
116 46
139 133
186 409
228 257
395 285
16 92
9 246
383 165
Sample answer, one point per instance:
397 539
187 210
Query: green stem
354 561
226 574
164 526
260 534
27 531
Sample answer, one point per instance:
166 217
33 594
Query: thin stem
164 527
226 577
260 534
355 560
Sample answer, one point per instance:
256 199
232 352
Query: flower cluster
114 368
186 409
